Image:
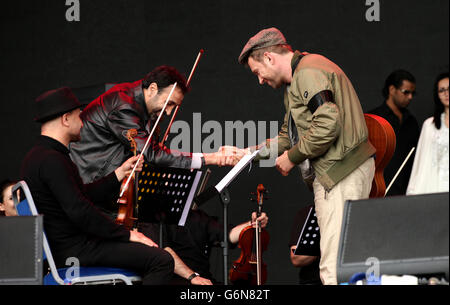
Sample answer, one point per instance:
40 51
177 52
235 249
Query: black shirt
407 134
308 275
70 218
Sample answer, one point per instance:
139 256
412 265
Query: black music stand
309 240
165 194
221 189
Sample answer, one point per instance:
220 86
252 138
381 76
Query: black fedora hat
54 103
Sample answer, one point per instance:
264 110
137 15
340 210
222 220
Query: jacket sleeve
104 192
63 179
283 137
125 117
325 124
277 145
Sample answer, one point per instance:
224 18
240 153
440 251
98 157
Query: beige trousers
329 210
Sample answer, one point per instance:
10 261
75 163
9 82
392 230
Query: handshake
230 156
225 156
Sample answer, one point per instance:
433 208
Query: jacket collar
52 143
138 94
296 59
404 111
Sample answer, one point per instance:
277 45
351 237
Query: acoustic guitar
382 136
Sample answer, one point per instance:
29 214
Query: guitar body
382 136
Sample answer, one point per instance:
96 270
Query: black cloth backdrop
117 41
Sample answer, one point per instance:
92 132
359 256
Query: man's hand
198 280
283 164
229 155
138 237
225 156
236 231
184 271
301 260
127 167
263 219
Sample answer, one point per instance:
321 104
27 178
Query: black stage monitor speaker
400 234
21 250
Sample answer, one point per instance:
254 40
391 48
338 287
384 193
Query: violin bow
399 170
166 134
148 139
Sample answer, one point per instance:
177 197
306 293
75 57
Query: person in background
193 242
6 203
308 264
430 169
398 92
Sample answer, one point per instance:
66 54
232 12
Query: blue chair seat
87 272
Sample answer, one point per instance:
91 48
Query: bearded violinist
126 106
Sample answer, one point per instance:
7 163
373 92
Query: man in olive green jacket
324 132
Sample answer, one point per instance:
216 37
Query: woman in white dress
430 169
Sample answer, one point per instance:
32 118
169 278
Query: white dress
430 169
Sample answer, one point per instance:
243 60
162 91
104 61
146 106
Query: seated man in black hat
73 225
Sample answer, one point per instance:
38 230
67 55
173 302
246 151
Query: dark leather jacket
104 145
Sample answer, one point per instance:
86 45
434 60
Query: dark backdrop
120 40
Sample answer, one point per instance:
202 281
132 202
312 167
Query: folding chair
62 276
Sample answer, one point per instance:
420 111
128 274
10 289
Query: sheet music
235 171
303 230
308 242
187 206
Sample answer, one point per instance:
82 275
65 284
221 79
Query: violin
127 200
249 268
382 136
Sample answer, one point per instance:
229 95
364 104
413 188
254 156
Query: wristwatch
195 274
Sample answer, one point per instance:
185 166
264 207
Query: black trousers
153 264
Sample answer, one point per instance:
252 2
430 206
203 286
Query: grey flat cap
265 38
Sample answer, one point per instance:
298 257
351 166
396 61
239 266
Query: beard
154 116
402 104
276 85
275 81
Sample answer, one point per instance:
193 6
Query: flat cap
265 38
